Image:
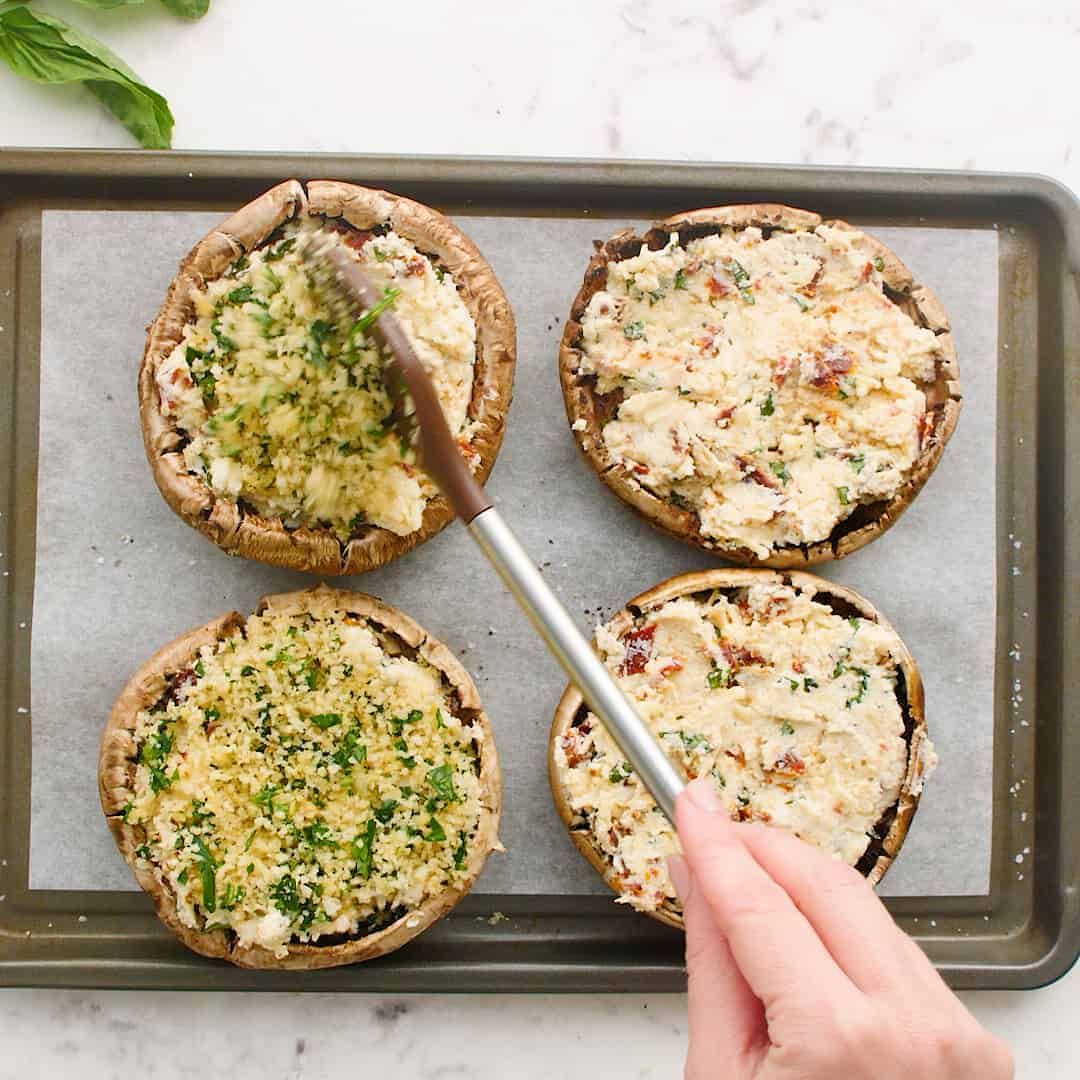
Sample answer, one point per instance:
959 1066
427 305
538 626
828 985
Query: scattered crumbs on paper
1019 858
82 918
22 710
496 917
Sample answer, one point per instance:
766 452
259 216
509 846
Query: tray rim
488 176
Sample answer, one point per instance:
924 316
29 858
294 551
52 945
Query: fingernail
703 795
680 876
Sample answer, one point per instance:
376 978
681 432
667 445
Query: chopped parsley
857 461
786 728
768 407
620 773
324 721
680 279
362 850
879 264
153 754
350 751
367 320
634 331
207 867
436 832
842 495
241 295
863 686
810 683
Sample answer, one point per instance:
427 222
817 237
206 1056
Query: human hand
798 972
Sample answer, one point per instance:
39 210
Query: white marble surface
967 85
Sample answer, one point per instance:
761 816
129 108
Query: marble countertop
965 86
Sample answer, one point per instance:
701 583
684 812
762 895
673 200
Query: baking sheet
117 574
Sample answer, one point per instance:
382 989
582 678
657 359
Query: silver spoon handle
577 658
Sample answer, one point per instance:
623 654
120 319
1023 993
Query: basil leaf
105 5
442 780
187 9
47 50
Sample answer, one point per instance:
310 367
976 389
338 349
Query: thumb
727 1022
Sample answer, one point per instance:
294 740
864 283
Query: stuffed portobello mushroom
309 786
792 694
766 385
265 418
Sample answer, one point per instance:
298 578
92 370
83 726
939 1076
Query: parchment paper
118 574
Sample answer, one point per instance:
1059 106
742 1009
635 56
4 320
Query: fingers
842 908
727 1022
777 950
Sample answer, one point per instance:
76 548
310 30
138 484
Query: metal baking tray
1024 933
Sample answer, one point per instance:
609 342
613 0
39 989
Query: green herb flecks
318 835
362 850
779 469
153 754
279 251
367 320
350 751
719 677
634 331
680 279
768 406
265 799
436 833
842 495
460 851
809 683
741 279
620 773
207 872
862 687
786 728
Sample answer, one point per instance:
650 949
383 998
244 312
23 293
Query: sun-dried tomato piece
638 646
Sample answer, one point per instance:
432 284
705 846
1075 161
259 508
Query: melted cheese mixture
302 780
286 409
769 385
791 709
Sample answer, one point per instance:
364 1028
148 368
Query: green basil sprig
45 49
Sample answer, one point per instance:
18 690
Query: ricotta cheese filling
766 383
304 779
790 709
285 408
